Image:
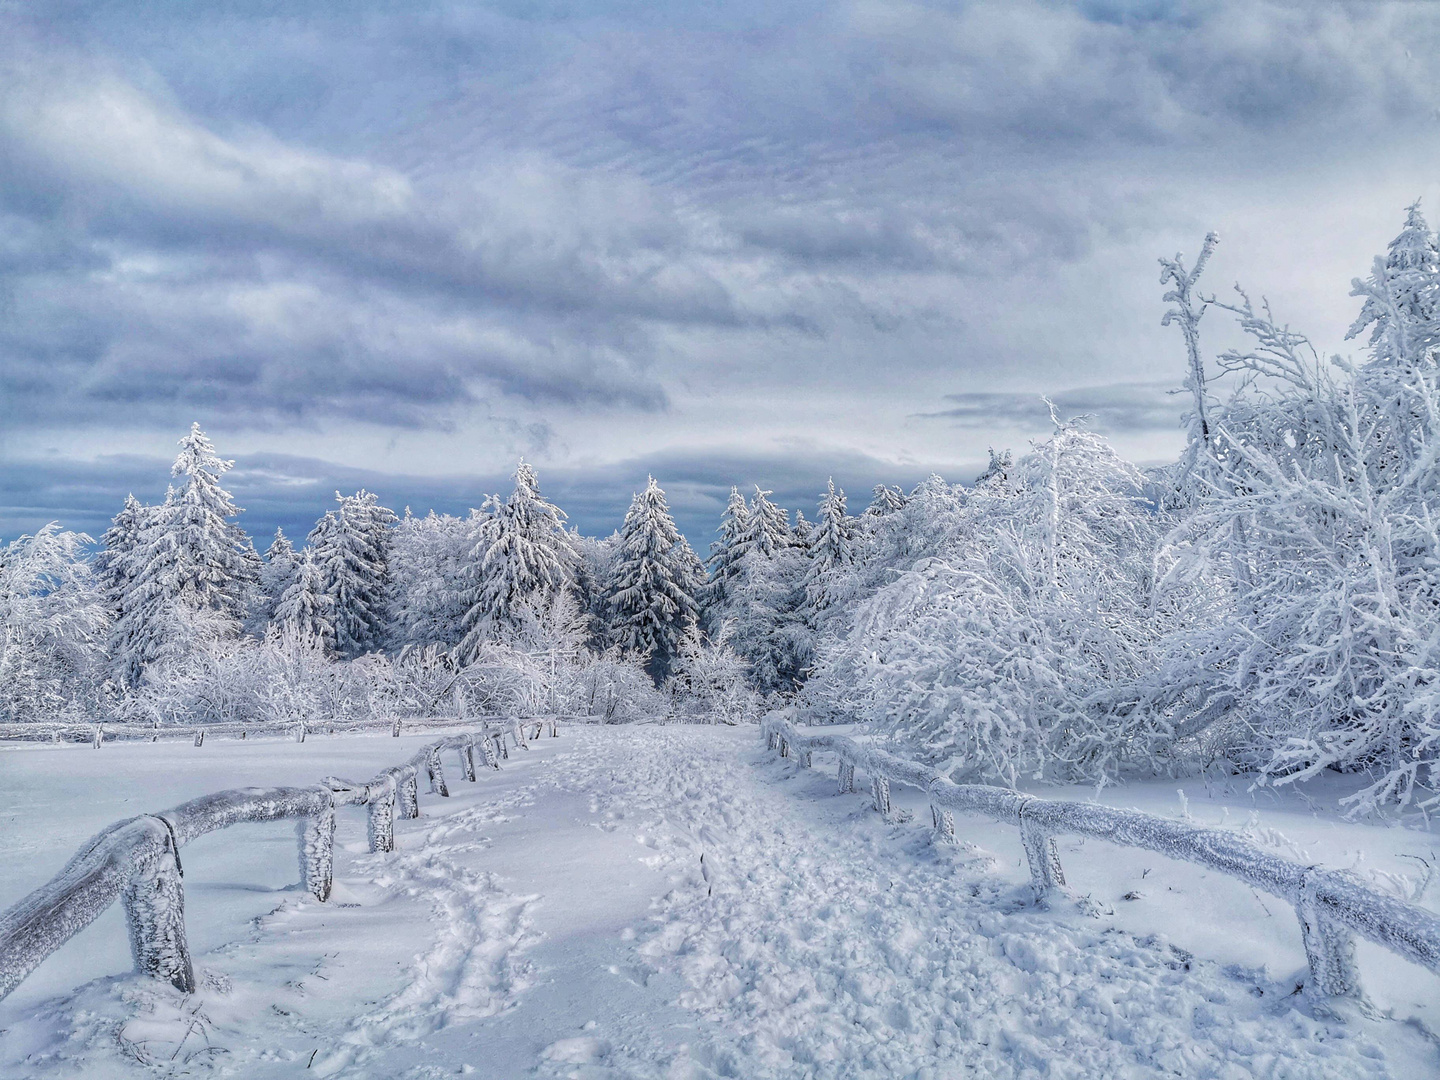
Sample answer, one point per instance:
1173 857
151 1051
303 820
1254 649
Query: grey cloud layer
525 220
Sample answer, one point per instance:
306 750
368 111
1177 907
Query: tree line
1269 601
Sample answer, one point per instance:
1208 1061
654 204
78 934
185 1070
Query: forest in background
1267 603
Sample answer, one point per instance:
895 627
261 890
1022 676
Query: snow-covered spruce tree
427 560
52 628
766 530
1022 647
886 500
191 570
275 577
723 563
653 584
831 548
306 609
114 564
1325 521
764 599
522 556
594 560
351 547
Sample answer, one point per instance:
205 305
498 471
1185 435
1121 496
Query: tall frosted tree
427 559
724 560
306 610
523 557
886 500
114 564
832 547
351 548
766 530
275 577
655 583
191 569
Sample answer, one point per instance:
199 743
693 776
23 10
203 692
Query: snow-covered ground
673 902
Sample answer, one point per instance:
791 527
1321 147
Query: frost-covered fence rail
137 861
1332 905
102 733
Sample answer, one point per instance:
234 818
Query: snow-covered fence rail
1332 905
98 734
137 861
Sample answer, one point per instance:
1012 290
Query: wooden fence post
382 818
395 729
409 795
99 736
1329 946
944 823
317 852
154 900
847 777
1046 874
200 737
437 775
467 760
487 745
880 788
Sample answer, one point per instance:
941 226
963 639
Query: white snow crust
675 902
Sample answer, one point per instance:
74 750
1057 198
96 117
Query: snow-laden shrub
711 684
1026 645
52 628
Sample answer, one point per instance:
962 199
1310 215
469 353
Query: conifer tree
767 529
306 609
114 564
832 546
1401 319
655 583
724 560
523 557
351 548
886 501
190 570
276 574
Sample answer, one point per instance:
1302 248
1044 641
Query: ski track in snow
806 936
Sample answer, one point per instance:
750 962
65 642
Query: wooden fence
1332 905
137 861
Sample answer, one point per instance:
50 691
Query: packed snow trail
674 903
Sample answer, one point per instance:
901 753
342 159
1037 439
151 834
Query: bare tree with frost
427 562
1326 524
1022 646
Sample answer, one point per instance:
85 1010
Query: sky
400 245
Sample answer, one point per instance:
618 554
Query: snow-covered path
670 902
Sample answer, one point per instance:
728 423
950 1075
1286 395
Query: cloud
1127 407
588 232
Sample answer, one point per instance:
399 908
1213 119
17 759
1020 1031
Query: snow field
658 902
